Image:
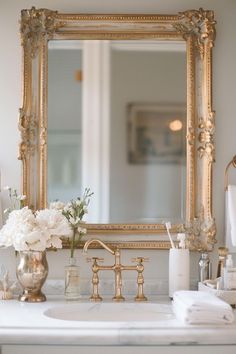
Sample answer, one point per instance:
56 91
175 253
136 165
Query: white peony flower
25 230
54 242
5 236
53 222
19 224
37 246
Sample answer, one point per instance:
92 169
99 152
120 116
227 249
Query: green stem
78 240
73 243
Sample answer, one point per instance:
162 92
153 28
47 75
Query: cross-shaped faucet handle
140 259
94 259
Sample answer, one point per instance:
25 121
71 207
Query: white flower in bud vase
21 197
82 230
57 205
74 212
6 188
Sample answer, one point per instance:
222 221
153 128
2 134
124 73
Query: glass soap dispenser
229 274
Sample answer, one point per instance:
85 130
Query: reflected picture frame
156 133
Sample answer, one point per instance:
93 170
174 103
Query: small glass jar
72 280
204 267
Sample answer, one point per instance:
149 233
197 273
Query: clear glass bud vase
72 280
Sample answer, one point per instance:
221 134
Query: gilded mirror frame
197 28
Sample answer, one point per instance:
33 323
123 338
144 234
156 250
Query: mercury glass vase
72 280
31 273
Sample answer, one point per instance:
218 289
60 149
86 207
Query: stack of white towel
198 307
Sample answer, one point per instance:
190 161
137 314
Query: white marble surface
23 323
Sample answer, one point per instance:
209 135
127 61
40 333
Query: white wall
224 100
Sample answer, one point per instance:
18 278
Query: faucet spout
96 240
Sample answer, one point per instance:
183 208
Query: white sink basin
114 312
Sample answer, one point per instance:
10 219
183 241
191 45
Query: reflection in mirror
117 124
64 122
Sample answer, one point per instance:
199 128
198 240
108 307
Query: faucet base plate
140 298
118 298
96 298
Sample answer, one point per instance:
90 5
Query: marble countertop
25 323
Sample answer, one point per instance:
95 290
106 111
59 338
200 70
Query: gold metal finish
141 244
233 163
36 24
197 28
201 25
140 259
32 272
140 280
117 268
95 279
93 259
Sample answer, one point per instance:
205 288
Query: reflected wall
144 159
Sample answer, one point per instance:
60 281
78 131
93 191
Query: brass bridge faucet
117 268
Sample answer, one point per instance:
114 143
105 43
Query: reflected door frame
96 127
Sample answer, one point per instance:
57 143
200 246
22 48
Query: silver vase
32 272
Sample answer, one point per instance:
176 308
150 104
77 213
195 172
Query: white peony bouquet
28 231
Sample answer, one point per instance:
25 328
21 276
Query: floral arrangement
74 212
29 231
26 230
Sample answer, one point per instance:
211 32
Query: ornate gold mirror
121 104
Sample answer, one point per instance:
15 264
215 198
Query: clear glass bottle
229 274
72 280
204 267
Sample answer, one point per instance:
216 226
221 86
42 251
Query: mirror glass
117 124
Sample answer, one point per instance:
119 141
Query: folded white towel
230 216
195 307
